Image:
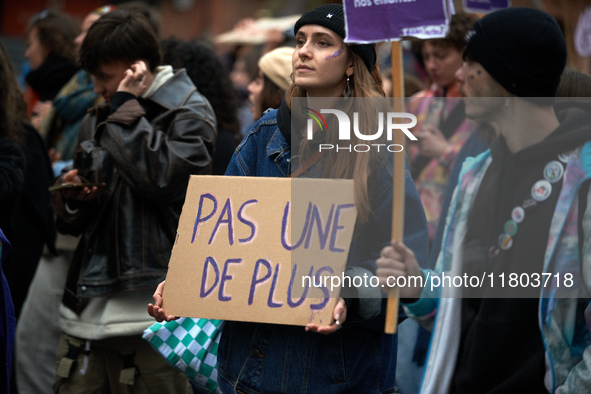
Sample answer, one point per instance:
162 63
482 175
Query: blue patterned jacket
564 313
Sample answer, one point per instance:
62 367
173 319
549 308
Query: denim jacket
359 358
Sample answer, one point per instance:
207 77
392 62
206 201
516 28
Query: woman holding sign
355 355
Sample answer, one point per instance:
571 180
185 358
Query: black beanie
332 17
521 48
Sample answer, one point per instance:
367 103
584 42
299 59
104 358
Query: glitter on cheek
335 54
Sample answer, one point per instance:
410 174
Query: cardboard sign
384 20
260 249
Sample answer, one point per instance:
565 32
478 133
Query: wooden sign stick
398 180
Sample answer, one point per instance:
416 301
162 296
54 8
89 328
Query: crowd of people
99 147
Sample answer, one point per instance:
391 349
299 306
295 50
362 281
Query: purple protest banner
484 6
384 20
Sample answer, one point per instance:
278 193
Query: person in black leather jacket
131 168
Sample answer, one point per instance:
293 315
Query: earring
507 101
347 91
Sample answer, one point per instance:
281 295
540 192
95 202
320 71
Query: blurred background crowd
238 54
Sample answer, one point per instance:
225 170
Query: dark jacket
29 222
7 322
13 166
144 151
48 79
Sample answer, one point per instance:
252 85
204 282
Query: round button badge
505 241
493 251
510 227
541 190
565 157
553 171
518 214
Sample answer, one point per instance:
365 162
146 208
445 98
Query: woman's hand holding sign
155 309
339 314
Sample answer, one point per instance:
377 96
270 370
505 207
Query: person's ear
350 70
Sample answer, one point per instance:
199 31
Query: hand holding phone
74 188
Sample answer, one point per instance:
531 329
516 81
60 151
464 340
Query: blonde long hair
350 165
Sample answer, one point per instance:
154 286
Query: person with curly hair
442 125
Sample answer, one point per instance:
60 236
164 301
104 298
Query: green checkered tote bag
190 345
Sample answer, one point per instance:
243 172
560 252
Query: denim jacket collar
277 144
279 151
278 147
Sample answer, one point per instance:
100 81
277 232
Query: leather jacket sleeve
157 158
153 156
